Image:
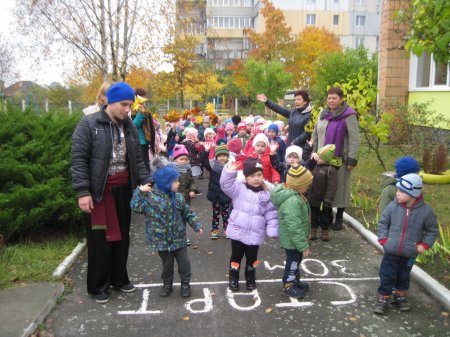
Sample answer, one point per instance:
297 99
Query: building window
335 20
361 2
359 41
245 44
426 73
336 2
231 22
311 19
310 2
360 20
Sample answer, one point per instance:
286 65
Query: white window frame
312 16
361 2
413 63
359 41
336 2
310 2
358 18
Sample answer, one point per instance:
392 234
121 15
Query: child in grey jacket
407 227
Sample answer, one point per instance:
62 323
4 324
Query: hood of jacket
388 178
280 194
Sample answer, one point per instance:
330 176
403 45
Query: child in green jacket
294 226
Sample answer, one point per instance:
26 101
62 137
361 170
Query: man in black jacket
106 166
298 117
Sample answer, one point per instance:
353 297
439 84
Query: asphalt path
342 273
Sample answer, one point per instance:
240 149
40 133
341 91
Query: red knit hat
242 126
235 145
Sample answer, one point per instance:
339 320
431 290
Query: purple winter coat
253 214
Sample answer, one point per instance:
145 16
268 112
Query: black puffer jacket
298 119
92 150
215 193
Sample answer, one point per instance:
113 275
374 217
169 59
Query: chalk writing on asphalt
310 267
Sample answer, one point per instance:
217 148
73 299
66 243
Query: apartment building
355 22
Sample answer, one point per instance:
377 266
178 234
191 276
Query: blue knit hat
405 165
120 92
273 127
164 177
411 184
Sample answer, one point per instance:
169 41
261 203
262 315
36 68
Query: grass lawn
366 180
34 261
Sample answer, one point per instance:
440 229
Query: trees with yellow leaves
311 43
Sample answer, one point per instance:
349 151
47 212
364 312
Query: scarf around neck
217 166
337 127
255 189
182 168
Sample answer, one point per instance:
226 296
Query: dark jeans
184 265
145 156
107 261
395 273
321 218
291 270
239 249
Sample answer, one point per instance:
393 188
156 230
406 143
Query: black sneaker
302 285
293 291
381 304
165 290
185 289
251 284
401 302
128 288
102 297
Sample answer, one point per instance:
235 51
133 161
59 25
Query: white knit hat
208 130
260 137
294 149
249 120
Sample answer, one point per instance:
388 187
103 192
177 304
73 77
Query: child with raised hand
253 216
166 215
260 149
293 156
293 218
221 203
322 191
194 149
272 133
407 227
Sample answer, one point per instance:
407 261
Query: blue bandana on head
119 92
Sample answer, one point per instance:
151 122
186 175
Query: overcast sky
45 73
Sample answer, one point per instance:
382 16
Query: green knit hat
221 149
326 153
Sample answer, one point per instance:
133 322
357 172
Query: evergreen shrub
36 194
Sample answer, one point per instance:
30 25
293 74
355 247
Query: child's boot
166 289
250 278
185 289
313 233
303 286
381 304
234 277
291 290
324 235
400 300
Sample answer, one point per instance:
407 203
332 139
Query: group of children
260 188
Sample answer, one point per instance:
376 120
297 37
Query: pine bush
36 194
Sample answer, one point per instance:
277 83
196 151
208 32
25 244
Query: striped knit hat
298 178
221 149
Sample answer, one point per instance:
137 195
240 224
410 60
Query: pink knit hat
179 150
229 127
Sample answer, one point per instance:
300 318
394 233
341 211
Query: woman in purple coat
253 215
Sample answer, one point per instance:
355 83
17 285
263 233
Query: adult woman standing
298 117
338 124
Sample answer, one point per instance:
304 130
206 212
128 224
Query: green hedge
36 195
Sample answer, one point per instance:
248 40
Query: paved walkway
343 275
